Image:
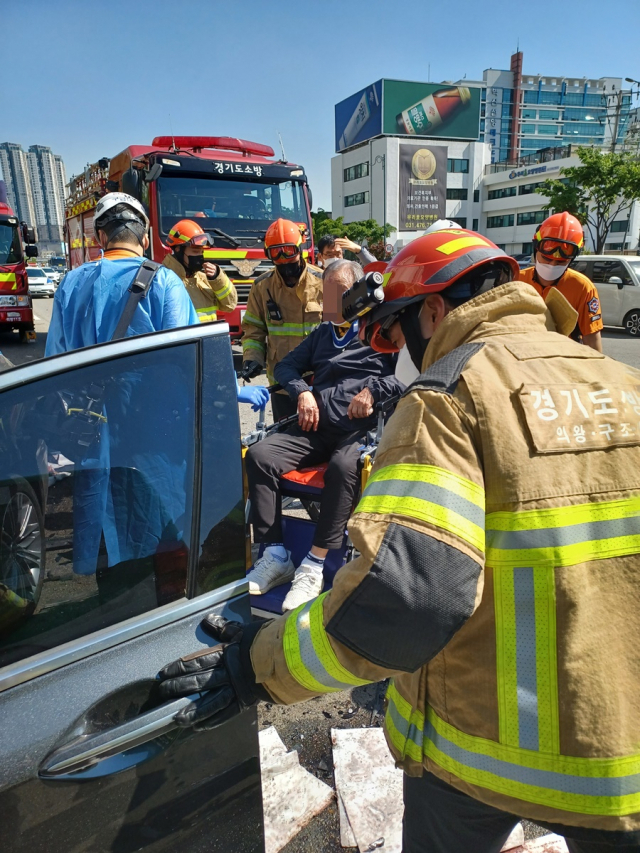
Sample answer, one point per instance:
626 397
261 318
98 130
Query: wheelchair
301 491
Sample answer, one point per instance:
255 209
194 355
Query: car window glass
96 495
585 267
604 270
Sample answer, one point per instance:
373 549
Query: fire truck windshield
239 208
9 244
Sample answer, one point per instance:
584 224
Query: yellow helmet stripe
461 243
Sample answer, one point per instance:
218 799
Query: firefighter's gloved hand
257 395
219 673
250 369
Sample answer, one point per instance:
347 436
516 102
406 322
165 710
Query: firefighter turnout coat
499 576
209 295
267 339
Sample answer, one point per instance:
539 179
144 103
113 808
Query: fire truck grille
243 283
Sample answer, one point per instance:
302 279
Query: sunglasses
287 251
558 248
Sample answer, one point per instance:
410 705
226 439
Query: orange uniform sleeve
589 310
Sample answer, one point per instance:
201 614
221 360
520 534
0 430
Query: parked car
39 283
144 429
617 278
524 261
54 275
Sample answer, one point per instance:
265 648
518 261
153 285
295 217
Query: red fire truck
15 302
233 188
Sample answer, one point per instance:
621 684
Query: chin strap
410 325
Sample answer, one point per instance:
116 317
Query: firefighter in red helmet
497 577
284 306
556 244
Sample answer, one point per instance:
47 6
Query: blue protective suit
131 491
91 299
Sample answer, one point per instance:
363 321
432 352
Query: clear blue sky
88 78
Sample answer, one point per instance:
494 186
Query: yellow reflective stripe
547 659
249 344
254 320
431 494
461 243
564 536
224 253
225 290
292 330
179 236
207 315
526 657
7 277
599 786
308 653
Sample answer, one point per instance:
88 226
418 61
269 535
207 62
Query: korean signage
493 121
422 184
562 417
401 108
534 170
359 117
223 168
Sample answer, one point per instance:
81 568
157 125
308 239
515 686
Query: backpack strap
138 290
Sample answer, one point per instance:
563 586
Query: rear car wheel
631 322
22 543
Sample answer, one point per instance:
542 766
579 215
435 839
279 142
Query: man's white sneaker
307 585
268 572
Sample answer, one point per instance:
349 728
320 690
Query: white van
617 278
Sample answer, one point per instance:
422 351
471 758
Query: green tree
366 232
603 186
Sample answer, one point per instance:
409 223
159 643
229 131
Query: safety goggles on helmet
557 248
479 281
204 240
287 251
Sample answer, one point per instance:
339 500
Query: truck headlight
23 300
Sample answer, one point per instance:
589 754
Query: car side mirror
615 279
131 182
28 233
31 251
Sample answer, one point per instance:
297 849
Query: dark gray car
121 526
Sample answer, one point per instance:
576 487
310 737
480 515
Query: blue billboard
359 117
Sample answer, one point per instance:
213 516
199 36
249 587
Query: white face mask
549 272
406 371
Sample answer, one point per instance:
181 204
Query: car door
121 526
611 292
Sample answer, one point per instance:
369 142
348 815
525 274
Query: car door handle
88 750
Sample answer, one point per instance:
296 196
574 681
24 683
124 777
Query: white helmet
134 211
441 225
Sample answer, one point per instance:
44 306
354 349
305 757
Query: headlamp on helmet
365 294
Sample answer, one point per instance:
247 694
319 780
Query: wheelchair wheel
312 508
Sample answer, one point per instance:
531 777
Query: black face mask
290 273
194 263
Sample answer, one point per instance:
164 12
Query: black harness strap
138 290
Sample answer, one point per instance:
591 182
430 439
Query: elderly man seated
333 417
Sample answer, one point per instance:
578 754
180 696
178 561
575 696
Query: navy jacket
339 372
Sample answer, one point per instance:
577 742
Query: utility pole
381 158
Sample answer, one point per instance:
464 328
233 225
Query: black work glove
249 370
223 673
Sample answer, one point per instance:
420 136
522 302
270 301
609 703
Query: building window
549 129
532 217
506 110
504 221
354 172
457 165
619 226
527 248
476 195
531 97
459 220
457 194
550 97
528 128
474 227
503 192
529 113
526 189
356 198
594 101
612 247
547 114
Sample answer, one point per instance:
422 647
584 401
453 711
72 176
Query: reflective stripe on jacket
499 576
266 340
208 295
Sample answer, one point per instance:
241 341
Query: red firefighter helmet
460 262
188 233
283 240
560 236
